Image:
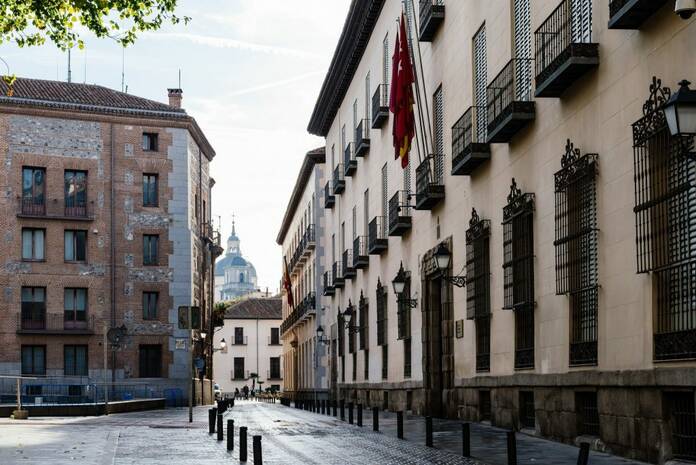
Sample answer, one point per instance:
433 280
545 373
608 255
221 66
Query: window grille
439 135
407 358
355 366
576 249
363 309
366 365
683 422
527 410
587 413
404 312
381 300
478 299
385 361
665 193
518 271
385 193
485 405
480 81
341 345
523 48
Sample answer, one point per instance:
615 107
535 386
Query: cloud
223 42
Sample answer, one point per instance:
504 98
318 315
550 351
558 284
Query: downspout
112 248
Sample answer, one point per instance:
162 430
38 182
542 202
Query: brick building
106 224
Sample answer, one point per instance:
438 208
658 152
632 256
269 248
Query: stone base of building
628 413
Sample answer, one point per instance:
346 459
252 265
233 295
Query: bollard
322 403
256 444
212 414
242 444
335 410
511 448
584 454
360 409
466 440
400 424
429 431
375 419
342 405
230 434
350 413
220 431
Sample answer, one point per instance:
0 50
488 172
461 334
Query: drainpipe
112 248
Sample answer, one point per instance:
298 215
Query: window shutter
523 50
480 82
581 13
439 134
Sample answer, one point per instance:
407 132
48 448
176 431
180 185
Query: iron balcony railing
430 189
508 97
303 308
362 138
361 258
210 234
469 149
53 323
380 106
327 284
377 240
348 270
303 249
61 209
337 273
350 163
432 14
329 199
631 14
400 213
339 182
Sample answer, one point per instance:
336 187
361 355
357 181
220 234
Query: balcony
362 138
348 271
57 209
430 188
432 14
328 286
53 323
400 213
309 240
350 163
303 310
329 198
361 259
631 14
337 273
339 182
377 240
469 147
564 51
509 107
380 106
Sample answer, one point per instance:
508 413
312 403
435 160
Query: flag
288 285
401 97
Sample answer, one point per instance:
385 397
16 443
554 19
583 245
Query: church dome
238 261
234 275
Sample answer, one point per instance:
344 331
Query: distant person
246 392
236 392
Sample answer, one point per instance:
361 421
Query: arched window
241 277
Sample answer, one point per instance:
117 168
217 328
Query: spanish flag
287 284
401 96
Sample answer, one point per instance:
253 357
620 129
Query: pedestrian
246 392
236 392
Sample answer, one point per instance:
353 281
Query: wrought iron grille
350 163
665 193
576 249
364 310
380 105
347 263
485 405
428 174
399 207
351 335
527 410
407 358
376 234
341 334
478 267
683 422
587 413
465 131
385 361
381 299
507 88
483 344
404 312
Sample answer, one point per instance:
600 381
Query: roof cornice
360 23
312 158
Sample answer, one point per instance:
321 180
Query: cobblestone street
290 437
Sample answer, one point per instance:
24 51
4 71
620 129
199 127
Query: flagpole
420 64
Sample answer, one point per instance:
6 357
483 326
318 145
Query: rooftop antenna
179 78
123 69
69 68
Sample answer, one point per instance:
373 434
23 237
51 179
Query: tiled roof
269 308
90 95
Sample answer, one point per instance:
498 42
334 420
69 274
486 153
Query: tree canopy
31 22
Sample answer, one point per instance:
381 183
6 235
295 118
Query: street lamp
399 285
348 314
443 257
223 343
680 113
320 336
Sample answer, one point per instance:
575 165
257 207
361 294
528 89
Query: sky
250 72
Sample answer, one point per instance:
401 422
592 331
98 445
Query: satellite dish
116 335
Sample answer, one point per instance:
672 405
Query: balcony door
33 308
34 191
75 193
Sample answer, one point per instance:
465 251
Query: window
34 360
33 308
238 336
385 361
439 135
527 410
665 199
75 245
150 141
33 243
75 193
576 250
682 419
518 271
74 308
275 336
363 311
275 368
485 405
381 314
150 190
75 360
33 191
478 287
407 358
241 277
150 305
150 246
404 311
587 414
150 360
366 365
238 368
480 82
385 60
385 193
522 43
355 366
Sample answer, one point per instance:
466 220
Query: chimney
175 96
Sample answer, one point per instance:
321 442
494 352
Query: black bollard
230 434
375 419
429 431
220 430
335 410
342 405
360 409
256 444
243 444
350 413
212 415
466 440
511 448
400 424
584 454
322 403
